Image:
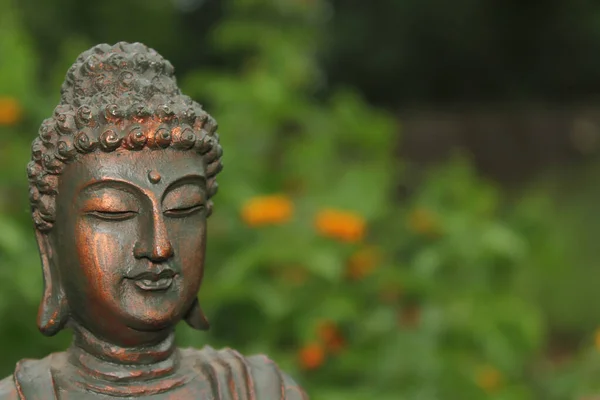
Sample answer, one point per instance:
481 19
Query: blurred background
408 207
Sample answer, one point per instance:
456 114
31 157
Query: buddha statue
121 181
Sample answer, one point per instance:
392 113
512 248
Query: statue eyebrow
188 179
113 184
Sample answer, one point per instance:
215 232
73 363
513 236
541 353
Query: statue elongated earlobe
195 318
53 312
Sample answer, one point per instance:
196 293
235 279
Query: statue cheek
101 258
192 245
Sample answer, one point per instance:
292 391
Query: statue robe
204 374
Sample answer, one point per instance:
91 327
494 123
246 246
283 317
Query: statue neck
104 360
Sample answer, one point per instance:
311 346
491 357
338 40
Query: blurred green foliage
452 293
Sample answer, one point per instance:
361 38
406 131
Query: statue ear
53 312
195 318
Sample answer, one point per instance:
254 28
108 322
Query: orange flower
342 225
312 356
488 378
423 222
362 263
331 335
267 210
10 111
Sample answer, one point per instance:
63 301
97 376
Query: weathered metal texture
121 180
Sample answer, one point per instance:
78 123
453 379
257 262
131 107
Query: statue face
129 240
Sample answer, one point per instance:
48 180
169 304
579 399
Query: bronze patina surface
121 181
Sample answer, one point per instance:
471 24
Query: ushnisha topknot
117 97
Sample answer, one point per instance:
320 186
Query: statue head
121 179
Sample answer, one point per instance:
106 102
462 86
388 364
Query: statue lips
153 281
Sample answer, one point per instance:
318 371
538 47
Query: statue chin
159 320
157 324
157 311
129 327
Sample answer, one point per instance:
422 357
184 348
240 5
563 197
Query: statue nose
157 251
154 245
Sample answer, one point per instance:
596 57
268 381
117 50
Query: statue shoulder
267 373
8 390
31 378
256 375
